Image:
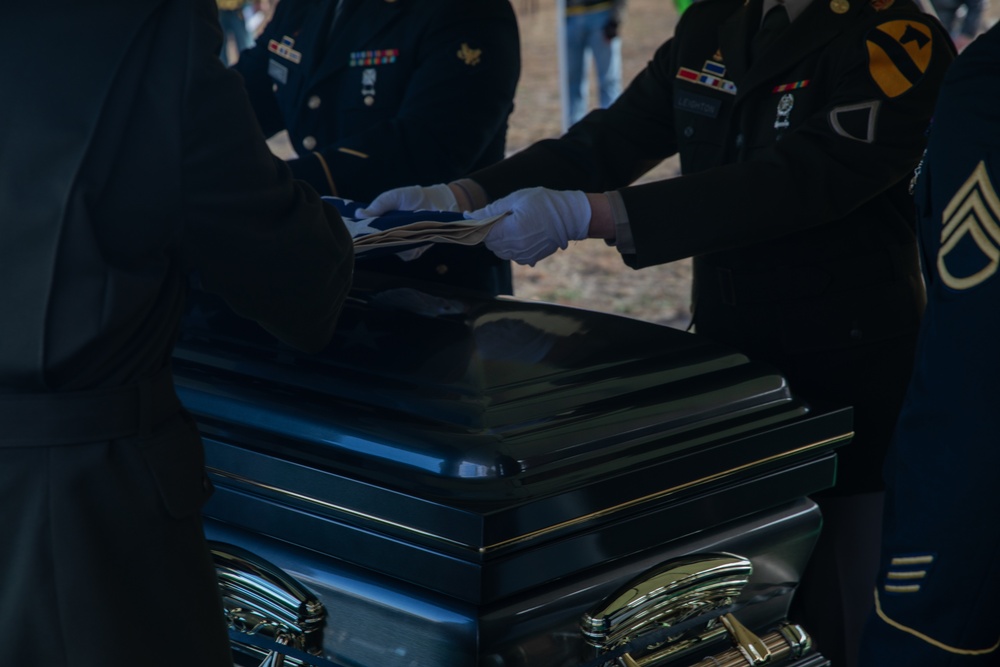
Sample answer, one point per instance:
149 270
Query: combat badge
785 105
899 52
368 76
970 238
469 55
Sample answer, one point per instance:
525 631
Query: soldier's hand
412 198
540 221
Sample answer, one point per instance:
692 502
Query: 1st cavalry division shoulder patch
899 53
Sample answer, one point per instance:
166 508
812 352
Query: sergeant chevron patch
906 573
899 53
970 237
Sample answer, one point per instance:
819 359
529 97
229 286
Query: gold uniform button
369 100
309 143
314 102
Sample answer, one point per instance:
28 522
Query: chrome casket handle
676 594
260 599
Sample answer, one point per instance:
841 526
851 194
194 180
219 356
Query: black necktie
773 24
340 12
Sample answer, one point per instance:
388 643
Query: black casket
460 480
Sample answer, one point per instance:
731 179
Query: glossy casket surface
481 451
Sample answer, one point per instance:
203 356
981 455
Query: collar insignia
469 55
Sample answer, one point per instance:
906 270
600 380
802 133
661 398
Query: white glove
541 221
412 198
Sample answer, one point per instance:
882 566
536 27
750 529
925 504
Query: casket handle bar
788 641
675 594
260 599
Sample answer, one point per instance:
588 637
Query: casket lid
477 425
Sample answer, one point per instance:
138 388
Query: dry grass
589 274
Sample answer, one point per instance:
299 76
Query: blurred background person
593 28
962 18
235 33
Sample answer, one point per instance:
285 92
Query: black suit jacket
400 93
130 159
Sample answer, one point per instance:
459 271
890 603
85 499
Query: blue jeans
233 23
585 32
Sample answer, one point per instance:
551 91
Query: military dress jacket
795 166
939 582
793 199
404 92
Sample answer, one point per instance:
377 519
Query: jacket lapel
815 28
734 38
367 18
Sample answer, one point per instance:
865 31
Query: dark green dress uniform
793 199
129 161
399 92
939 583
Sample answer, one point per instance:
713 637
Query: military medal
840 6
368 76
785 105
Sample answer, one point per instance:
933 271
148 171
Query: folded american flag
399 231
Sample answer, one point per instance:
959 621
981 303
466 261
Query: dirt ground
589 274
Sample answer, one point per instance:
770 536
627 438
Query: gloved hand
541 221
412 198
611 29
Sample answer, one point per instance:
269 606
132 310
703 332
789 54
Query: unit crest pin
368 76
785 105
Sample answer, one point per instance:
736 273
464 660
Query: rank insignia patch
469 55
970 238
899 53
906 573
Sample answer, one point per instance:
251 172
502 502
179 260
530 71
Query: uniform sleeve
455 106
866 137
264 242
608 149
